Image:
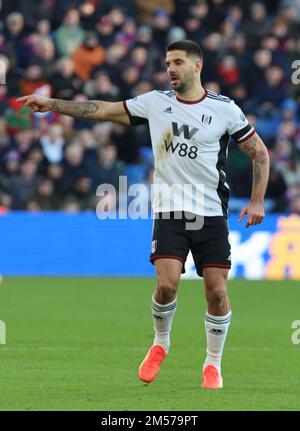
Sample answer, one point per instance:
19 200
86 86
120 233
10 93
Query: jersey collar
187 102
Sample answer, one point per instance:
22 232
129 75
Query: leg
215 284
164 299
163 309
168 273
169 249
217 321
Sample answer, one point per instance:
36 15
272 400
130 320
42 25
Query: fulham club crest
153 246
206 119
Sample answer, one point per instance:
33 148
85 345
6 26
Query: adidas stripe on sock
216 328
162 315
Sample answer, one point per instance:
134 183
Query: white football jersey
189 142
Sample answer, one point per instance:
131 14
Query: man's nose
172 69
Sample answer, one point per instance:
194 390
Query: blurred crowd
113 50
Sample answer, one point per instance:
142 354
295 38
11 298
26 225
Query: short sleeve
238 127
138 108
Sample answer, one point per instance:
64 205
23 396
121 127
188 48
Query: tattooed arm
90 109
255 148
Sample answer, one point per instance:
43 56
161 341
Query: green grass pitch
76 344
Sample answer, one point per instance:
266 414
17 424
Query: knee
216 298
166 290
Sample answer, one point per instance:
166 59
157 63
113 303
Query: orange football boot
150 366
211 378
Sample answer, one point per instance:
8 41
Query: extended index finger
23 99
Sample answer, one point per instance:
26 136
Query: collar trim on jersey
187 102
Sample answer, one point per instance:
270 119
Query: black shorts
209 245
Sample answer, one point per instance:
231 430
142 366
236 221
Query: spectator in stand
32 80
70 205
73 167
146 9
45 56
55 173
215 15
70 34
105 31
240 95
43 28
194 28
160 79
22 186
127 35
82 191
23 142
87 55
175 33
107 168
138 57
238 49
64 83
160 24
261 61
32 11
291 174
68 125
277 190
43 197
257 25
114 61
212 47
235 16
129 79
101 88
16 46
53 144
118 18
282 152
102 133
229 72
201 9
272 89
292 5
144 36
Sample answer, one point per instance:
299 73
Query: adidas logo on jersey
168 110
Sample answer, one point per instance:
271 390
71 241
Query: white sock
162 315
216 328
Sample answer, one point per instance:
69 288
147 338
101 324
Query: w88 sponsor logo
183 150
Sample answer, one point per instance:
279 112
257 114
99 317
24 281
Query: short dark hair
188 46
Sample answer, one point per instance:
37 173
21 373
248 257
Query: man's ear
198 65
